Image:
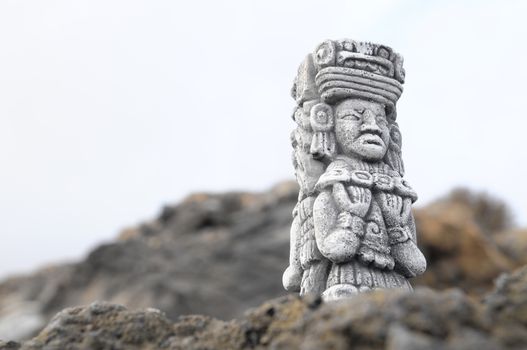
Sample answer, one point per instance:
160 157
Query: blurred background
111 109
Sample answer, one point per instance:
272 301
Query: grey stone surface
199 256
379 320
353 229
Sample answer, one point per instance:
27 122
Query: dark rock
197 257
10 345
507 308
390 319
220 254
103 326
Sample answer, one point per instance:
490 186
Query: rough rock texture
458 246
393 320
513 243
198 257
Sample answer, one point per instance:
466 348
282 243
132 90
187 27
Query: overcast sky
110 109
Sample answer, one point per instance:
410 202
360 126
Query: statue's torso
373 266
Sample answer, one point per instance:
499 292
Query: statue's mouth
373 142
372 139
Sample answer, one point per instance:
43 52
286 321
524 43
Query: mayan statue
353 228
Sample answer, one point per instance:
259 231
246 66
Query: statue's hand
361 199
394 208
355 199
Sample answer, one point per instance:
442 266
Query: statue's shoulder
386 179
338 170
346 170
353 172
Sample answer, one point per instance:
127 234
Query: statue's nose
369 122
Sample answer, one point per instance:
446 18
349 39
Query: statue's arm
333 229
292 277
409 260
399 221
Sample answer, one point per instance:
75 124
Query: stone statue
353 228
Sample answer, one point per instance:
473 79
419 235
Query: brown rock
192 258
459 251
513 243
389 319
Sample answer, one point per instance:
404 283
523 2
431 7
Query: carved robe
364 226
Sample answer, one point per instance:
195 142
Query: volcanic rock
220 254
389 319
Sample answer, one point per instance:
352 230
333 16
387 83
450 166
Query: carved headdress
347 68
336 70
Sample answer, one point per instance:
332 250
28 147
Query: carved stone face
361 129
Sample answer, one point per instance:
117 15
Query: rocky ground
424 319
221 254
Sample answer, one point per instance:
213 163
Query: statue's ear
391 113
395 134
322 122
393 155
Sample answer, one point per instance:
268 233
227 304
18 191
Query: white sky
110 109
